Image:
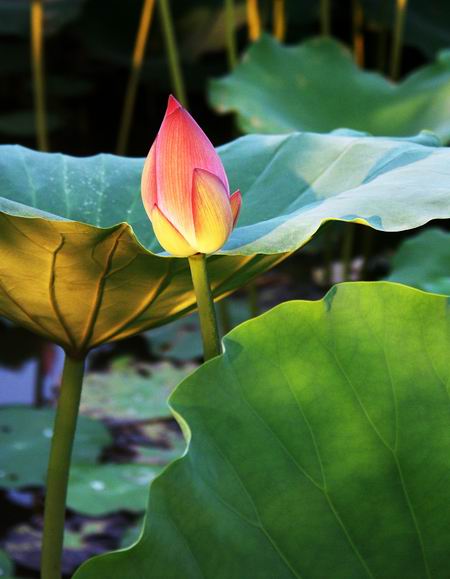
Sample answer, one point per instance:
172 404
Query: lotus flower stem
325 17
397 41
135 73
254 20
230 33
37 62
279 20
172 52
58 467
207 313
358 35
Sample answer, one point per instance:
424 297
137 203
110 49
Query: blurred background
88 76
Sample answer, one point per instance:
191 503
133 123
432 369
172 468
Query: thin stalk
325 17
58 467
253 20
358 35
135 73
172 52
397 41
347 250
252 299
279 20
230 26
37 64
208 322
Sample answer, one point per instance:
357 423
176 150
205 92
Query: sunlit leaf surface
79 262
319 448
316 86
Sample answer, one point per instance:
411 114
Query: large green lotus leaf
423 261
25 436
319 448
316 86
73 270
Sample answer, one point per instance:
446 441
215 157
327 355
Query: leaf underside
73 271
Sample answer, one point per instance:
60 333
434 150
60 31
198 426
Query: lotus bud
185 189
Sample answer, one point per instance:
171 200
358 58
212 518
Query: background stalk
279 20
135 73
230 34
37 65
397 41
325 17
253 20
172 52
58 467
208 322
358 35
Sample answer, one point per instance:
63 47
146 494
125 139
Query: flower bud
185 189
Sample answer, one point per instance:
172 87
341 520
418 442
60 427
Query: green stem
206 311
58 467
325 17
397 42
37 63
230 34
252 298
135 73
172 52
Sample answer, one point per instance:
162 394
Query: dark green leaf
320 448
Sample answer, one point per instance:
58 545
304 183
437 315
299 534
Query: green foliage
25 435
319 448
98 490
316 86
73 271
181 340
131 393
423 261
6 565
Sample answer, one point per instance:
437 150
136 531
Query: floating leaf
316 86
104 488
25 435
423 261
71 270
132 393
319 448
6 565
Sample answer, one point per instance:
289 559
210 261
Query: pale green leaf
316 86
